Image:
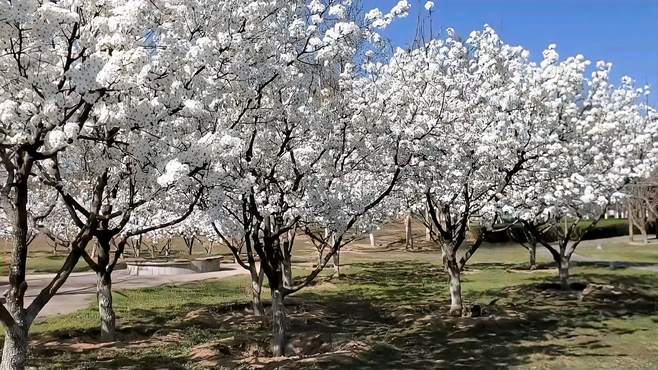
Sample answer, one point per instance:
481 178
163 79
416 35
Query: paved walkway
79 290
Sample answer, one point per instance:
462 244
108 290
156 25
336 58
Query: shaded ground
380 315
524 325
388 311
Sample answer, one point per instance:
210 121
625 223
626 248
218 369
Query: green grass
388 311
533 329
158 304
620 251
142 314
41 262
605 222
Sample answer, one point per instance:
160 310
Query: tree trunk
532 255
14 352
256 289
166 249
455 288
138 247
452 267
105 309
336 259
190 244
278 324
372 240
287 274
286 263
409 240
630 226
563 269
428 229
320 255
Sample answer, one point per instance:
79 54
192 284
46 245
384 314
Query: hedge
604 229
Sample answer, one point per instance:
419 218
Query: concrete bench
173 267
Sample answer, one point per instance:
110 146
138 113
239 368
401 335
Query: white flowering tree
196 229
274 121
560 84
140 188
478 125
118 174
56 65
608 138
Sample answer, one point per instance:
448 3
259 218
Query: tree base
455 311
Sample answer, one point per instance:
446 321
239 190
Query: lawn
388 311
40 260
620 250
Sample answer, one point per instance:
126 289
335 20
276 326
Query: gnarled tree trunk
286 263
428 226
104 290
320 256
189 243
287 274
105 308
14 352
208 248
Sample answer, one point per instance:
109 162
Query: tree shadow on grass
383 315
154 339
115 360
412 330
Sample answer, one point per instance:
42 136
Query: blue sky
624 32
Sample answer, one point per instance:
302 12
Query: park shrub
604 229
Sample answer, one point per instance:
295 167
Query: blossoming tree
608 138
57 61
485 123
274 120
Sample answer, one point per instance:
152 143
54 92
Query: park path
79 290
